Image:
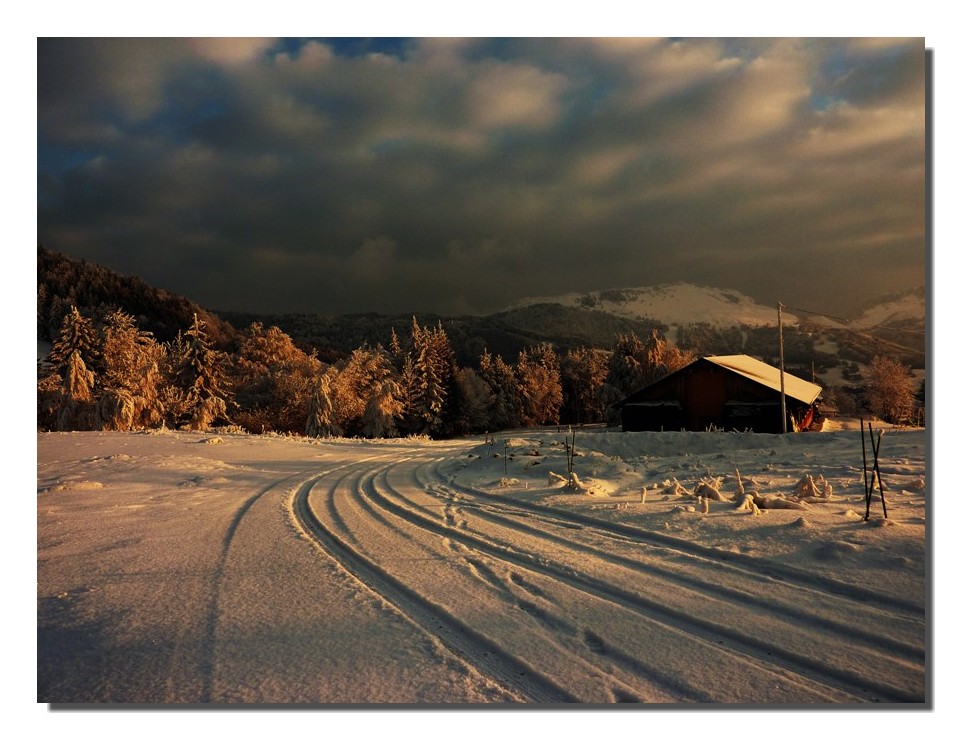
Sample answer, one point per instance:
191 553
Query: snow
907 309
186 568
677 304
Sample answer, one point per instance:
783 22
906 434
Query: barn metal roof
769 376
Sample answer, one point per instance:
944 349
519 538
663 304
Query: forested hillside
63 283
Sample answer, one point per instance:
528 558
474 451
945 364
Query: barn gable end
734 392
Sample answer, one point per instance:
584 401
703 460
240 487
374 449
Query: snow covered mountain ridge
682 303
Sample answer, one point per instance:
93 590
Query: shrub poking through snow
709 491
811 489
555 480
674 487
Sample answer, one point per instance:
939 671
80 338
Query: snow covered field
196 568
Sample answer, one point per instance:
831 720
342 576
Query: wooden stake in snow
570 458
875 471
876 447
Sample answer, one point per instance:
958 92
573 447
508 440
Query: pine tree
501 379
272 381
75 348
131 378
383 408
321 419
583 373
428 372
76 409
201 378
77 335
539 386
625 373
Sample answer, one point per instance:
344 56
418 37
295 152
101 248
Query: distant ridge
686 304
677 304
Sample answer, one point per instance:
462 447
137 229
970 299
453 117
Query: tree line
105 373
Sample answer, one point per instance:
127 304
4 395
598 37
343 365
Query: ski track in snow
384 523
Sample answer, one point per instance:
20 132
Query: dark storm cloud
454 175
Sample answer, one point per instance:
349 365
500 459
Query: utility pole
779 315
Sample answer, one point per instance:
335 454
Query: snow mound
71 485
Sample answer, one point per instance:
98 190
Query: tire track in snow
771 570
472 647
608 682
208 666
774 606
813 669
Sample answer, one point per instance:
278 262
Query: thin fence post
877 468
867 492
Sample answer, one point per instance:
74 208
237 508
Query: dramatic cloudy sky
455 176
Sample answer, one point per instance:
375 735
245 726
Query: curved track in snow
559 607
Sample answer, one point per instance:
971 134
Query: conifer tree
539 386
272 381
625 372
359 381
321 419
75 348
500 377
427 379
201 378
131 378
382 410
583 373
75 411
77 335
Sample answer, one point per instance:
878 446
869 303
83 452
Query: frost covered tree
77 401
428 374
272 381
131 376
201 379
77 335
538 384
473 403
363 379
500 378
625 373
582 374
71 382
383 409
889 388
321 420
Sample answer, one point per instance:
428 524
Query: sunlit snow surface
195 568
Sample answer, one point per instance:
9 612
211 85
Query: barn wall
710 396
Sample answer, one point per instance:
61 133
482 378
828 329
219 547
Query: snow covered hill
903 311
682 303
672 304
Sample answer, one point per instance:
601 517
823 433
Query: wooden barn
734 392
